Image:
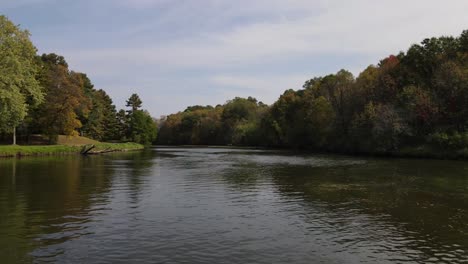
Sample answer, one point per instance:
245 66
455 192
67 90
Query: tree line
41 95
417 98
414 99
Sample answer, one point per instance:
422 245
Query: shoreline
419 152
18 151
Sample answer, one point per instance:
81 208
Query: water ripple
217 205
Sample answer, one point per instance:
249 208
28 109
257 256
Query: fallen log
108 150
86 149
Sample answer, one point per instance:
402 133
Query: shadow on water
133 169
46 201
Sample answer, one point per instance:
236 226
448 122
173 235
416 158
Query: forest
415 101
41 95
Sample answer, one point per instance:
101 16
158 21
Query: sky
176 53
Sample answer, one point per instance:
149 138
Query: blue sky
186 52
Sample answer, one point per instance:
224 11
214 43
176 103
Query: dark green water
203 205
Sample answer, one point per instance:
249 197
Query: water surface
216 205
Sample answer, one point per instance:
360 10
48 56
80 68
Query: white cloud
231 40
266 88
345 27
260 84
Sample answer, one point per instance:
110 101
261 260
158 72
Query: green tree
169 130
140 126
134 102
238 117
337 90
122 125
377 129
18 87
143 128
450 85
287 121
421 112
101 123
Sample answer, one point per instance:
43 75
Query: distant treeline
41 95
417 99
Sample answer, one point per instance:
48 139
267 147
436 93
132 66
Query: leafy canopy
19 88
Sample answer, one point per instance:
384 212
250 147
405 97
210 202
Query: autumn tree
64 100
416 98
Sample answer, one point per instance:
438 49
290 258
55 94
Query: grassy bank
19 151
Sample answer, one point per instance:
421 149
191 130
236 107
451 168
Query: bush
452 141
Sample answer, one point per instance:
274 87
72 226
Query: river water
220 205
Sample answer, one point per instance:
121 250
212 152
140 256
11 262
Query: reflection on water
214 205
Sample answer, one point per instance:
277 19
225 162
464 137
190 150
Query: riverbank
45 150
432 153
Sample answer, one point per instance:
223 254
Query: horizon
176 55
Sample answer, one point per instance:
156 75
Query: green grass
119 146
18 151
74 140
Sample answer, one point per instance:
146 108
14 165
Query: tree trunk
14 135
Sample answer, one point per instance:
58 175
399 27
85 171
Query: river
223 205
